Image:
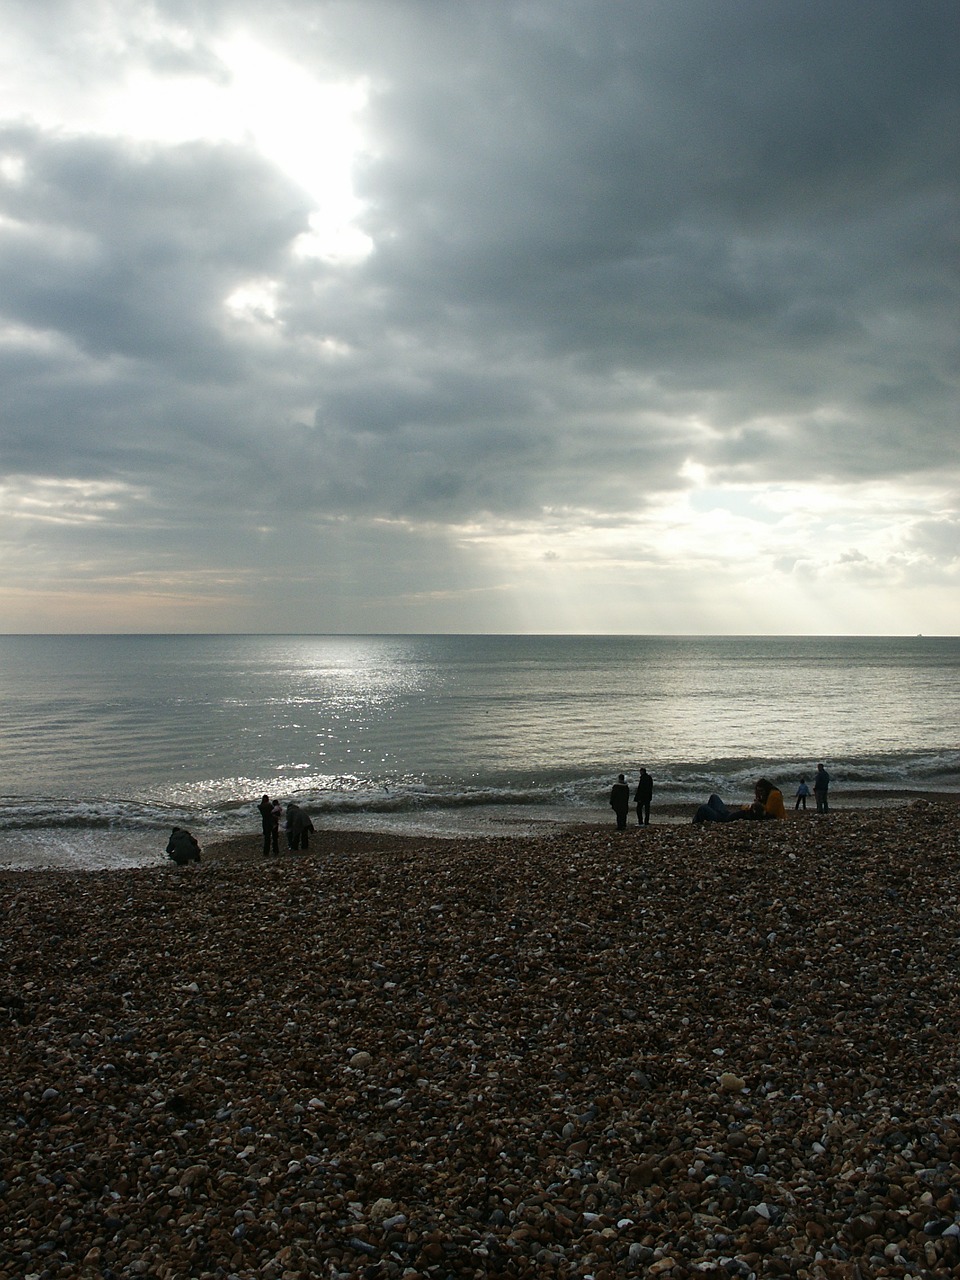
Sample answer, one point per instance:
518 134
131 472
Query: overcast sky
486 315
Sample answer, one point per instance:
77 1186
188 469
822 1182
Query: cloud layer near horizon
500 316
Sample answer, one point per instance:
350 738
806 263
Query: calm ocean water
107 741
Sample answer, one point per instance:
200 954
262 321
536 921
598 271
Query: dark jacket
620 797
297 820
182 847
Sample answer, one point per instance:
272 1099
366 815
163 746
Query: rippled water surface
131 732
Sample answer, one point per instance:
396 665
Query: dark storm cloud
122 256
745 207
608 241
128 251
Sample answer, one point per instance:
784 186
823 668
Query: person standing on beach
299 827
802 792
620 801
293 833
270 834
642 798
820 784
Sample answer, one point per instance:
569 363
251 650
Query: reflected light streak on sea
121 736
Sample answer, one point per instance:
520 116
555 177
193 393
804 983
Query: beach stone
541 1092
731 1083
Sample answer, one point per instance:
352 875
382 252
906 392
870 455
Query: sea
107 741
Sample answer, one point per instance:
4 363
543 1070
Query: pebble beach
722 1050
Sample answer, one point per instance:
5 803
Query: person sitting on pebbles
768 800
182 847
767 803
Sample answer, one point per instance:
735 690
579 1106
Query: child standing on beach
802 792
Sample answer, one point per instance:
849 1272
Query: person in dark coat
716 811
821 783
270 830
182 847
299 827
642 798
620 801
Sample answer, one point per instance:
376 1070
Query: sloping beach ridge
721 1050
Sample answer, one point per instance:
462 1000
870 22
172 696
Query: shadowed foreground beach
722 1050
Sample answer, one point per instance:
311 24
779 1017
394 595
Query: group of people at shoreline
642 798
821 785
297 824
767 800
182 847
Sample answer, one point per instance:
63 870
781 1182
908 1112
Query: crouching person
182 847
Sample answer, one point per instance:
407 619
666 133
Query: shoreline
358 839
92 849
726 1049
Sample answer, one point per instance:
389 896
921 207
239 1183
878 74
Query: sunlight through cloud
255 301
308 129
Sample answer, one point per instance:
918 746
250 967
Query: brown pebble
581 1053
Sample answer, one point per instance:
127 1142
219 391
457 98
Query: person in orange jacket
769 800
767 803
